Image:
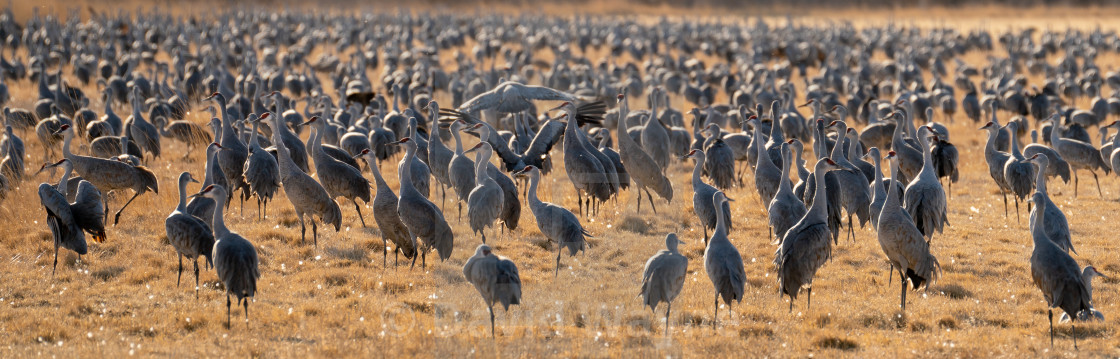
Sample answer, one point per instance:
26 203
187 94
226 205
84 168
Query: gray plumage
903 243
421 173
439 156
702 197
723 263
785 209
385 214
1018 173
460 171
663 277
1091 314
189 235
806 246
924 197
496 279
767 175
231 157
235 258
424 220
1080 155
855 194
555 223
484 203
510 96
307 196
200 206
1055 225
643 171
583 168
1056 274
109 175
261 172
1058 167
996 159
337 178
654 135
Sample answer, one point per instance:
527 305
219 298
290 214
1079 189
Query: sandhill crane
583 168
200 206
854 189
424 220
142 131
337 177
511 96
1017 172
903 243
806 246
109 175
1055 226
421 173
11 150
1056 274
766 173
307 196
1080 155
1058 167
833 200
642 169
190 236
261 171
555 223
1092 314
855 154
496 279
385 214
183 131
296 148
785 209
235 258
663 277
945 159
996 159
702 203
69 221
654 136
720 159
439 156
485 201
924 197
1114 154
460 171
910 157
231 157
723 263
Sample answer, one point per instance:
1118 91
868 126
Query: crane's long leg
180 279
1050 314
55 267
491 309
413 238
1073 333
1075 195
359 209
196 278
1016 197
228 303
246 300
1004 193
1098 181
667 311
715 312
385 252
559 249
651 205
315 232
117 218
902 278
638 194
302 229
809 299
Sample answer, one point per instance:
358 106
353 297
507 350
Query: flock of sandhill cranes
254 67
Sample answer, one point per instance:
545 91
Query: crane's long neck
376 169
818 210
285 158
927 157
67 169
721 223
1115 139
783 183
896 138
405 169
182 207
1015 144
66 138
878 185
208 177
254 142
480 162
892 190
698 169
219 223
838 149
458 141
1040 176
534 179
776 134
1087 278
763 156
802 172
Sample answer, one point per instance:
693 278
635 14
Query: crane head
988 125
62 129
1092 271
476 147
264 116
807 103
790 141
566 103
621 97
891 155
833 123
360 154
213 96
309 121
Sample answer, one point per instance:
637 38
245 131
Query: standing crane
496 279
663 277
854 189
924 197
702 197
261 171
1055 226
785 209
723 263
1087 276
424 220
642 169
190 236
806 246
337 177
1018 173
1080 155
308 197
555 223
385 214
903 243
235 258
485 201
1056 274
231 157
996 159
200 206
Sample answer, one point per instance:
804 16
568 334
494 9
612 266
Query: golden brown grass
338 300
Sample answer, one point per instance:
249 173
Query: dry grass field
338 300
